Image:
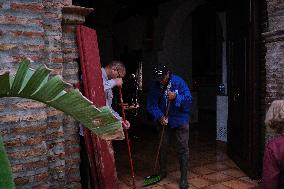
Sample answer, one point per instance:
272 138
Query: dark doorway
243 134
207 65
244 141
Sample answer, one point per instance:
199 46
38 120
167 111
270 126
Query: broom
155 178
127 140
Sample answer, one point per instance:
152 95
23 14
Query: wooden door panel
237 95
240 89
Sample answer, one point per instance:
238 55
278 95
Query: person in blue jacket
165 89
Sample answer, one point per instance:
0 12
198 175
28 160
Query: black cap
160 71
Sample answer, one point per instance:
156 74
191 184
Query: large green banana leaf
36 85
6 177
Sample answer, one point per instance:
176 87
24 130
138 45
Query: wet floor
209 165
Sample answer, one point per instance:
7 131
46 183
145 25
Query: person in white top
112 75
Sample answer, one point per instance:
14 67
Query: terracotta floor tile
154 187
175 174
206 161
202 170
217 186
191 186
173 166
194 163
238 184
209 165
199 182
234 173
218 166
247 179
138 182
191 175
217 177
230 163
123 186
221 156
171 186
168 180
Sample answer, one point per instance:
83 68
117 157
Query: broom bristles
151 180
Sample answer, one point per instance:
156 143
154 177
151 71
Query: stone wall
273 36
41 142
71 17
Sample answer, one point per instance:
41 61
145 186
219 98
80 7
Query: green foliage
6 178
36 85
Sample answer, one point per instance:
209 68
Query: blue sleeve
183 97
152 102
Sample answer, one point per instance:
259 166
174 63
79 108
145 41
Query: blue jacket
179 108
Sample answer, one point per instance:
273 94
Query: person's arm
125 124
109 84
115 114
183 96
152 102
271 172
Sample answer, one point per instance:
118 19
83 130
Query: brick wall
273 36
41 142
71 17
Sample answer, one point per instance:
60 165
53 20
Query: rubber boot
183 161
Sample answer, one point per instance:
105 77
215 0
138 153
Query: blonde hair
116 64
274 117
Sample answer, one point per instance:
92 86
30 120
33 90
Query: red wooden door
100 152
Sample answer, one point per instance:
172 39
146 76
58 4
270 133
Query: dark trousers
180 136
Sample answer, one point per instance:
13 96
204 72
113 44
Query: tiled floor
209 165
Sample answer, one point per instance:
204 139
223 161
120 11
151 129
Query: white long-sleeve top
108 85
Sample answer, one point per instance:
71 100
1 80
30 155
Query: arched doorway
182 45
